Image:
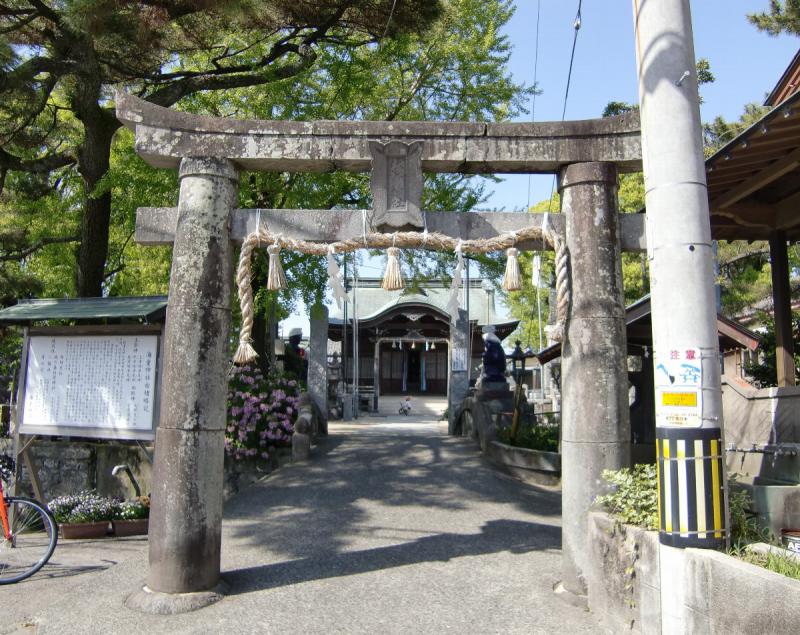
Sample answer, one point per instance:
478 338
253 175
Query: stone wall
762 417
624 576
533 466
67 467
705 591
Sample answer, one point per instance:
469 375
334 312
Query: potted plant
131 517
82 515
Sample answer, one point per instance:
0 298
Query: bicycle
29 532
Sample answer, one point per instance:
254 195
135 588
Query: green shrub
634 495
261 413
744 523
543 438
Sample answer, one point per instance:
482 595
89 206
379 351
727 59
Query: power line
577 27
533 97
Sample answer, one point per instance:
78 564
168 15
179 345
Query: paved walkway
392 528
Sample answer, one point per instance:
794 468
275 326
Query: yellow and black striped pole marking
691 494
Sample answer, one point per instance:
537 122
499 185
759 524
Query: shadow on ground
500 535
315 519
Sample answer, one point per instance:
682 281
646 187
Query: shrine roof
146 308
373 301
754 180
639 332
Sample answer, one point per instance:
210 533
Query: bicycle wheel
33 538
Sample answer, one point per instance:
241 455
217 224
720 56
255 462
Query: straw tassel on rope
276 278
432 241
245 353
392 278
512 280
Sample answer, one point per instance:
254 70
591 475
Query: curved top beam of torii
165 136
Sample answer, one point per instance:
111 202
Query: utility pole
689 426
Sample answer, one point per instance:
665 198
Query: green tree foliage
453 70
781 17
719 131
60 61
744 274
764 373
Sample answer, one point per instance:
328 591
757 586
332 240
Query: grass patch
774 561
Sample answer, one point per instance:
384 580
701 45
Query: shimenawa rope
431 241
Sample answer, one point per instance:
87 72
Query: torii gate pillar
595 433
186 516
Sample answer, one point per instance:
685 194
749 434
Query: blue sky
745 62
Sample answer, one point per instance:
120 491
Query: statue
494 358
294 357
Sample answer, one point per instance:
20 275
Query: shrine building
403 338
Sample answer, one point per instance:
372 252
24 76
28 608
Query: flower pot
84 530
137 527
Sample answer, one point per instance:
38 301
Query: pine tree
60 62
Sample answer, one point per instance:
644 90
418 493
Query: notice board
101 386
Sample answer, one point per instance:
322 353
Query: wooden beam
771 173
747 214
781 296
788 212
33 474
730 331
156 225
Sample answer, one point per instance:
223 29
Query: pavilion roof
639 332
754 180
146 308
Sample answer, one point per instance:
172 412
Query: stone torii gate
185 525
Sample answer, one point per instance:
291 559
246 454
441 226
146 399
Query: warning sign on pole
679 388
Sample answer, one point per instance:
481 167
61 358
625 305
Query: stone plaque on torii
396 183
209 154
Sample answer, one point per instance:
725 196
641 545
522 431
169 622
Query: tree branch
42 165
27 251
750 254
169 95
